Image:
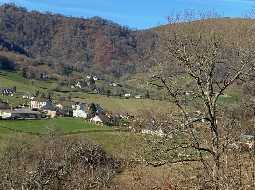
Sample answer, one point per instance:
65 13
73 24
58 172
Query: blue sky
135 13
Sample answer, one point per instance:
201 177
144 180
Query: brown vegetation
55 163
84 45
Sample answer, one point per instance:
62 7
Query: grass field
42 127
116 104
117 142
120 143
11 79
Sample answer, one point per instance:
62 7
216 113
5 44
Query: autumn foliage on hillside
93 44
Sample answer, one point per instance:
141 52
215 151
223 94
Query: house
80 110
95 109
138 96
20 114
113 84
65 112
44 76
49 109
78 85
103 118
25 114
96 119
127 95
34 104
4 110
5 114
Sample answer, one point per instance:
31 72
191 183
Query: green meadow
115 141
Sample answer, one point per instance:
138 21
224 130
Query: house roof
83 106
49 106
22 111
25 111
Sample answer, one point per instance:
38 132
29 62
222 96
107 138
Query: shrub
55 163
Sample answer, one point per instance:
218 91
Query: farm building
95 109
20 114
34 104
5 114
127 95
80 110
50 109
4 110
138 96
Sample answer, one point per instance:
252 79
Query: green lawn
11 79
116 104
41 127
119 143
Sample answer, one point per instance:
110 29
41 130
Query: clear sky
135 13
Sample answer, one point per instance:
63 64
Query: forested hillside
59 46
83 45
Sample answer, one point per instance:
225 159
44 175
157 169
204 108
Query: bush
56 163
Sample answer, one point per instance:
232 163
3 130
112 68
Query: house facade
5 114
34 104
79 110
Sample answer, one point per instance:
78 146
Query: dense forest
83 45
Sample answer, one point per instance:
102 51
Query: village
127 95
48 108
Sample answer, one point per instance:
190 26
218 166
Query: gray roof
24 111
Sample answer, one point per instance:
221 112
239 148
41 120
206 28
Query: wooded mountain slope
83 45
60 45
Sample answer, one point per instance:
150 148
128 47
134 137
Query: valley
86 103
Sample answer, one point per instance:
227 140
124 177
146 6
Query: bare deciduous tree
208 63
